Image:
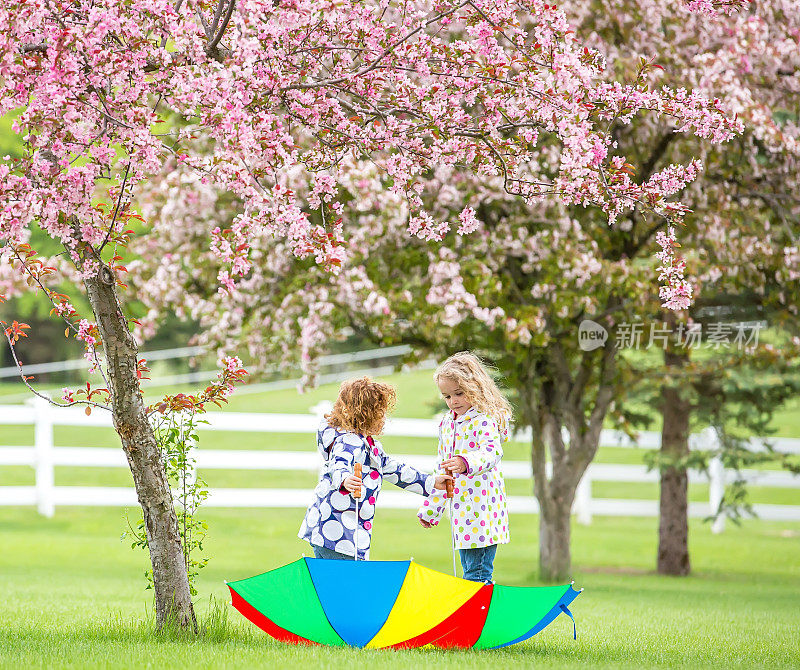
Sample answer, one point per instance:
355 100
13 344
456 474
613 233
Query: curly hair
362 406
472 375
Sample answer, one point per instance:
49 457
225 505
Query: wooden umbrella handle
448 488
357 473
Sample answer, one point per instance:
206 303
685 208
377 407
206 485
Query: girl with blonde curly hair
345 437
471 435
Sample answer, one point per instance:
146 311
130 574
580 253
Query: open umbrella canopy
400 605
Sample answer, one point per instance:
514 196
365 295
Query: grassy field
73 596
73 593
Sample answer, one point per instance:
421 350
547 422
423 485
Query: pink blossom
676 293
469 221
84 328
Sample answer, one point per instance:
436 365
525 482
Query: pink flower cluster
676 293
309 85
713 7
540 263
84 333
232 364
469 221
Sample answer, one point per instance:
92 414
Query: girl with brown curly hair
345 437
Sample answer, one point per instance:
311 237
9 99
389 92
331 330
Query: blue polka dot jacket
330 520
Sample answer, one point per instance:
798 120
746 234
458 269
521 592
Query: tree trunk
554 497
673 526
555 560
172 598
556 400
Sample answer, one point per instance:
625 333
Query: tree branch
116 209
42 395
377 61
603 399
34 48
212 46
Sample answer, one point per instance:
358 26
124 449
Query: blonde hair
362 406
472 375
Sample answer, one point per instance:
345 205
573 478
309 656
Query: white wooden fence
338 366
43 456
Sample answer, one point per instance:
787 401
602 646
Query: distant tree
741 239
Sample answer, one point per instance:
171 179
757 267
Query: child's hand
440 481
352 483
425 524
455 465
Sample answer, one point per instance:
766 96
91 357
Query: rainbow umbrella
399 604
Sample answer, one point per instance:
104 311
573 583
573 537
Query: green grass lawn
73 596
73 593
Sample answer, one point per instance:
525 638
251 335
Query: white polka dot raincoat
480 516
330 520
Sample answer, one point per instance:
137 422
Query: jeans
322 552
478 563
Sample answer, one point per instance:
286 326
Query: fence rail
333 362
44 457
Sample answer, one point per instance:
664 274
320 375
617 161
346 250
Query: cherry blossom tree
511 277
268 103
742 237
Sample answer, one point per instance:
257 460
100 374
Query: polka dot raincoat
330 520
480 516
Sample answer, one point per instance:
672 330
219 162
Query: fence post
583 499
43 449
716 481
322 408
